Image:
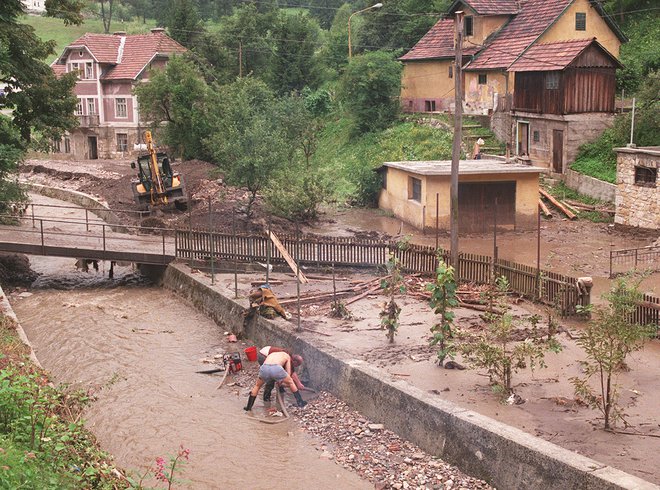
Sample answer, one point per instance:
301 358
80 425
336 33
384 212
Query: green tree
247 142
39 101
294 40
607 342
333 54
179 96
370 89
183 22
324 10
443 299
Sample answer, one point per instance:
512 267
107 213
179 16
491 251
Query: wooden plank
288 258
557 204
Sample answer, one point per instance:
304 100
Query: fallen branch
613 431
360 296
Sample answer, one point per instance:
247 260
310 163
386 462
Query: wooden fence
648 311
626 260
549 287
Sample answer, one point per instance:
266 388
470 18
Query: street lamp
375 6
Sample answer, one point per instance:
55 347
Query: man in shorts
276 367
296 362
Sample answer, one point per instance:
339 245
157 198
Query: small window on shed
552 80
580 21
383 182
468 27
536 136
414 189
429 105
646 176
483 78
451 71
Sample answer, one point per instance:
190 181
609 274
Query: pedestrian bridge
70 231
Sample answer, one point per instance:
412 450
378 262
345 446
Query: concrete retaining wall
506 457
7 310
589 186
101 210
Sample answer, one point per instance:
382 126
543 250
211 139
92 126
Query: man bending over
276 368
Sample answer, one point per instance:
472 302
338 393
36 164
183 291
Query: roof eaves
609 21
541 34
75 46
595 40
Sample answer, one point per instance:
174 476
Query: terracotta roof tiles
437 43
550 56
535 17
493 7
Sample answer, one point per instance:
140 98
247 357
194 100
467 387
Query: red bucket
251 353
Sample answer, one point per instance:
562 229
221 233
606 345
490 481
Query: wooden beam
544 208
557 204
289 260
360 296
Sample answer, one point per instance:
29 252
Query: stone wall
637 204
589 186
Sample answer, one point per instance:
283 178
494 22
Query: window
74 67
91 106
580 21
67 145
468 26
89 71
646 176
57 148
79 108
552 80
120 107
429 105
483 78
414 189
536 136
451 71
122 142
383 183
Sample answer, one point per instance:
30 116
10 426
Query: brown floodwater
138 347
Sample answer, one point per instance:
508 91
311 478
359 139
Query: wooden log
318 297
570 208
360 296
289 260
557 204
272 282
578 204
544 208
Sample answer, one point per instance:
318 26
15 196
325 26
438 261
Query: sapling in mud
443 299
607 341
497 351
393 284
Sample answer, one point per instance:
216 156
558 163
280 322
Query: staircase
473 130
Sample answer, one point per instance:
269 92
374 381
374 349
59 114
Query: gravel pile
375 453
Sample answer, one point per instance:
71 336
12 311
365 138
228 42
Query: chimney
119 33
157 30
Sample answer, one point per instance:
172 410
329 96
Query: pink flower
160 470
184 452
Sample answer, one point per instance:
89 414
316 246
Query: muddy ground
549 407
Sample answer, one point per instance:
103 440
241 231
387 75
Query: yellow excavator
156 184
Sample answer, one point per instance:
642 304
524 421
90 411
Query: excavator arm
158 191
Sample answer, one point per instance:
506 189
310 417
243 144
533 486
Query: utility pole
456 147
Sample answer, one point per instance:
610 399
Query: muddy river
138 347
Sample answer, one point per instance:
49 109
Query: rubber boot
251 400
301 403
268 389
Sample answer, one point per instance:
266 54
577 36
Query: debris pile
375 453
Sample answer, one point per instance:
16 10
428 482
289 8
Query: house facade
501 39
35 6
489 192
108 67
638 187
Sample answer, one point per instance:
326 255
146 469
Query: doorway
557 151
523 139
93 147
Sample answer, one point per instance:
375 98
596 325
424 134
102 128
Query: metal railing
632 259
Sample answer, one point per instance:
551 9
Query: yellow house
489 191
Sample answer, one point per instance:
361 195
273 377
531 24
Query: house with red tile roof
543 70
109 66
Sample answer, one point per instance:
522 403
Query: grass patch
48 28
596 167
349 163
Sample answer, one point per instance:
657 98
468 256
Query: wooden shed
568 77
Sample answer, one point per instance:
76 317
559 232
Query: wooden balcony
88 121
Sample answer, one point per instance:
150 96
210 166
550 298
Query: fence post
86 220
104 240
163 245
41 224
211 243
611 261
33 223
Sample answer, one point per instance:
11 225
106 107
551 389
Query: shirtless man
276 367
296 362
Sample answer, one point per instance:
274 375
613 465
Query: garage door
479 202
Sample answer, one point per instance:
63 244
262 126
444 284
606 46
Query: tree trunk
608 402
